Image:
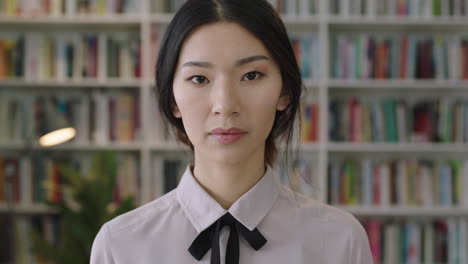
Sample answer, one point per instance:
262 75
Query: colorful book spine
68 7
307 51
400 8
398 183
39 179
295 8
398 120
414 56
63 57
310 122
418 241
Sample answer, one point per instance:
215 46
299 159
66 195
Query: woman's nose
225 98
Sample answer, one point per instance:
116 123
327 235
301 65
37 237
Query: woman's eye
250 76
197 79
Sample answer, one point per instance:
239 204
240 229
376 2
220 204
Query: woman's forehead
222 42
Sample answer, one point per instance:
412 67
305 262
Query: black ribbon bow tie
209 238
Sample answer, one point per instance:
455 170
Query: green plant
86 205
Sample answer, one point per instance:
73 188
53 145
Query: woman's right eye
197 79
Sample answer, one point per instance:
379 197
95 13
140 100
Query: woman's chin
229 157
233 155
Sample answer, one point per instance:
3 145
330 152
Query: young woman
228 82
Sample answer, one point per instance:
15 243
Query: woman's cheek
265 99
185 97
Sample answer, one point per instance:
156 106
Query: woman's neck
226 183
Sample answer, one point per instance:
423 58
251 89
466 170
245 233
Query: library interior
384 132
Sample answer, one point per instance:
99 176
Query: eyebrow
238 63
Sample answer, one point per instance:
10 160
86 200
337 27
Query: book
128 182
172 174
157 177
310 122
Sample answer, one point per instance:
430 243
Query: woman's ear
176 111
283 102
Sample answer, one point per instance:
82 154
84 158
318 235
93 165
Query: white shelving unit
109 83
405 211
321 24
28 209
76 20
398 147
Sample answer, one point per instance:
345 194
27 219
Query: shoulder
335 227
317 210
121 237
312 210
143 214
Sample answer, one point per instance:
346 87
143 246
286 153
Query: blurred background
384 132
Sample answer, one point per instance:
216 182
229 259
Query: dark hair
259 18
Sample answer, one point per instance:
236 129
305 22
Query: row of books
64 56
408 8
399 56
310 122
38 178
100 117
307 51
33 180
285 7
296 7
17 236
166 6
442 241
401 182
399 120
68 7
412 8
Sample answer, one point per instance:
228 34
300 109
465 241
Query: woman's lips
227 135
227 138
233 130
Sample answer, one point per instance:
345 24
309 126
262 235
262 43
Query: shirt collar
203 210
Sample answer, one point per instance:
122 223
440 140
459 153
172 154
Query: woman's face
226 78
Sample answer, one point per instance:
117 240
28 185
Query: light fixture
57 128
57 137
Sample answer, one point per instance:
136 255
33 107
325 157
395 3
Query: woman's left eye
250 76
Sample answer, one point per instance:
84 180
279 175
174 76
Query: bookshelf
325 21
